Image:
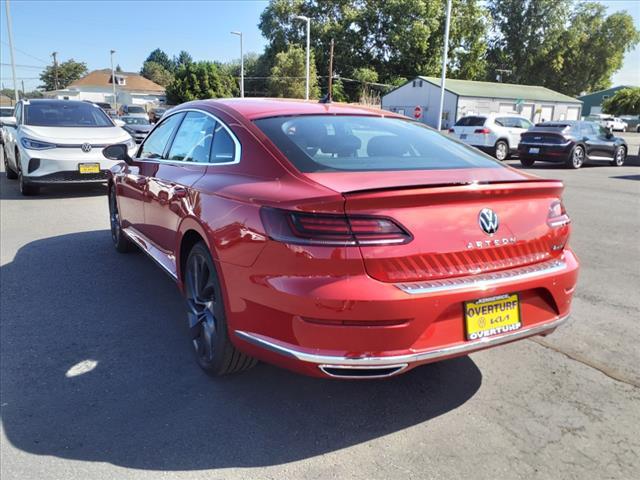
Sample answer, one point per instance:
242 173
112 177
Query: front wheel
214 352
9 172
576 159
502 150
120 240
619 157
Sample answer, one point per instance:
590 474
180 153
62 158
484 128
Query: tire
527 162
25 189
8 171
619 157
501 150
577 157
120 240
213 350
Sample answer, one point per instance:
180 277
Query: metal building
419 98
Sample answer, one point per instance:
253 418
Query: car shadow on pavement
96 366
9 190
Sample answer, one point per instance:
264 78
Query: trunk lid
448 240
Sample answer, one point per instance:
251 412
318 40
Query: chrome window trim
434 353
236 142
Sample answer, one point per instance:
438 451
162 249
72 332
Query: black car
137 127
571 143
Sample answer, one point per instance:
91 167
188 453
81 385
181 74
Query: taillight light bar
557 215
483 131
331 229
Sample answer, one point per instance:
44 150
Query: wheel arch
189 233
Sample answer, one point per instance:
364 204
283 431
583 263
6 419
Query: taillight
483 131
452 130
557 215
331 229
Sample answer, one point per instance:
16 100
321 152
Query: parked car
59 141
108 109
632 121
156 114
614 124
4 112
133 111
137 127
572 143
339 241
496 134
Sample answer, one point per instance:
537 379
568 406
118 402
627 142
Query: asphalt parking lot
561 407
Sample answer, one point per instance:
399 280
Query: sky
87 30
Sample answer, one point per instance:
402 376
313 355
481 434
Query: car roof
255 108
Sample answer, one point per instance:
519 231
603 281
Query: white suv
496 134
59 141
615 124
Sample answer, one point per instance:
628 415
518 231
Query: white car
496 134
59 141
614 124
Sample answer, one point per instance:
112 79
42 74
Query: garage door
572 113
506 108
546 113
527 111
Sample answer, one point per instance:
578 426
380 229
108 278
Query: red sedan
340 241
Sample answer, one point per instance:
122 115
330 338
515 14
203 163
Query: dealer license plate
463 136
534 150
89 168
492 316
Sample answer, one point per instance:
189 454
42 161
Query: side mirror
609 133
118 122
118 151
8 121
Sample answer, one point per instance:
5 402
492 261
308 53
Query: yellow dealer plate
89 168
492 316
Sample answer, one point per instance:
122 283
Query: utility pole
23 90
241 65
13 61
308 20
55 68
113 83
331 71
444 62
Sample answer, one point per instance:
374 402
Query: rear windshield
471 121
64 113
316 143
6 112
135 110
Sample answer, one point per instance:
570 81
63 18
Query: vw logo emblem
488 221
86 147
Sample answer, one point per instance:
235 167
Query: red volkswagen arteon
340 241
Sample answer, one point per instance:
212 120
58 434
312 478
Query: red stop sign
417 112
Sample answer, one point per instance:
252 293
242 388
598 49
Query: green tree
159 57
393 37
564 45
623 102
200 80
68 72
156 73
365 77
288 75
183 58
337 91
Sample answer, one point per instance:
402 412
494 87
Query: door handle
141 181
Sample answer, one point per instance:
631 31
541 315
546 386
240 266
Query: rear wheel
526 162
502 150
9 172
120 240
214 352
576 159
619 157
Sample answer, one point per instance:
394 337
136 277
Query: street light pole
55 68
113 83
13 62
308 20
241 64
444 62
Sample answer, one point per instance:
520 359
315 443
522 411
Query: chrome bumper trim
483 280
292 351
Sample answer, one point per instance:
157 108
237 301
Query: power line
23 66
27 54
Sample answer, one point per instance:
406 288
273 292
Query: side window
18 114
192 143
526 124
156 143
501 121
223 149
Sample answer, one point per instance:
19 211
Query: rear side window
192 143
156 143
471 121
316 143
224 148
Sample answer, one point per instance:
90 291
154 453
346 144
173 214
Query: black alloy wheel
120 240
619 157
577 157
214 352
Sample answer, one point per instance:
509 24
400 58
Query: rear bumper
546 153
322 326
